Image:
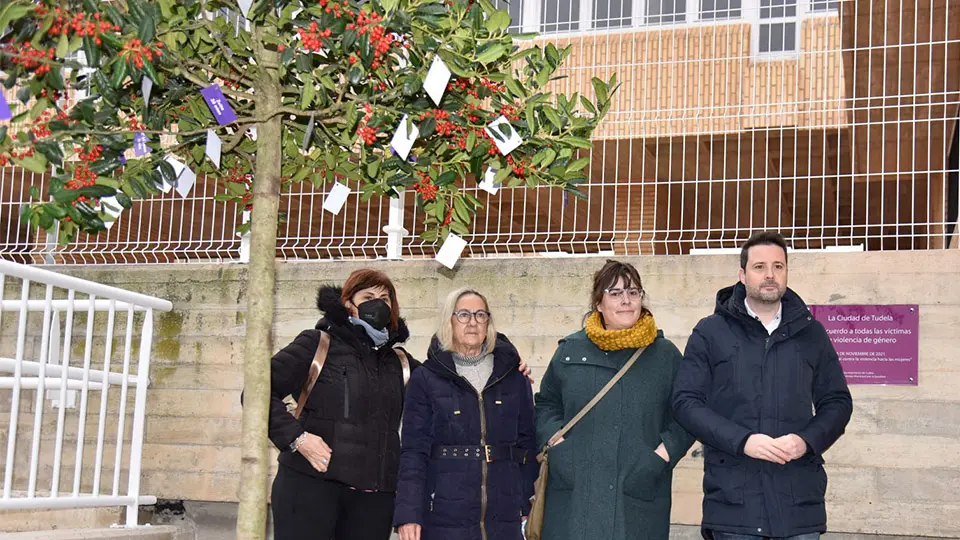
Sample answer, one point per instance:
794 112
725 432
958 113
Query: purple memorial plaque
219 105
5 113
876 344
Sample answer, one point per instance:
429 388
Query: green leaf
587 105
548 157
92 51
107 181
578 165
308 93
471 140
41 32
373 168
501 175
119 73
578 142
498 22
14 11
459 228
148 28
37 163
389 5
446 178
553 117
600 88
491 53
460 210
65 195
63 46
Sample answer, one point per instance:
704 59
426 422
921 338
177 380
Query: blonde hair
445 328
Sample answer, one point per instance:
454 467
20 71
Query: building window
559 15
821 6
666 11
777 28
715 10
612 13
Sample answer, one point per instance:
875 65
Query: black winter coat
735 381
446 496
355 405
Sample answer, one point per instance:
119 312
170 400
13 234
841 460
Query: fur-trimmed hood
334 312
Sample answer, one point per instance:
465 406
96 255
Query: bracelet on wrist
295 445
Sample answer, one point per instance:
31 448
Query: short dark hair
763 238
366 278
608 276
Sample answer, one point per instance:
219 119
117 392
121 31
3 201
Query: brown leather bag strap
596 399
404 364
315 368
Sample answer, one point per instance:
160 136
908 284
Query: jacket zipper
483 442
346 395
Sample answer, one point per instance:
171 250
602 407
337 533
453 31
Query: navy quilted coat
466 499
736 380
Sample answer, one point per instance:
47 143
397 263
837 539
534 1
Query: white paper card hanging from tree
245 6
437 78
489 183
336 198
146 86
403 139
111 207
185 177
214 145
451 250
506 142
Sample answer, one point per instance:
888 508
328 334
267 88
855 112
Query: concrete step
160 532
44 520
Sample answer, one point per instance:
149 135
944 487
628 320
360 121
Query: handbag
534 525
320 357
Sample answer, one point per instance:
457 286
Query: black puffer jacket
355 405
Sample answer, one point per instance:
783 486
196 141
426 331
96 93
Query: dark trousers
307 508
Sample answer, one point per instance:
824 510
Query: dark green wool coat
606 482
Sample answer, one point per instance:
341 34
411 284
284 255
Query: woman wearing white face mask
338 461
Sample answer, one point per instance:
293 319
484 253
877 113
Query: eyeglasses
633 293
463 316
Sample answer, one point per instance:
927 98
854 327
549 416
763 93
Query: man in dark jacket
761 386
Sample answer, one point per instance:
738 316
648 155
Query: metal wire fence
834 122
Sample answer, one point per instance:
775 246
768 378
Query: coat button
567 359
584 359
610 487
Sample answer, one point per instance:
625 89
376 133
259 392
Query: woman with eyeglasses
610 476
468 457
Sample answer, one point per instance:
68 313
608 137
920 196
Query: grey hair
445 326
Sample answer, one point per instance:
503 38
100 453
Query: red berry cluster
519 168
78 24
484 88
92 155
135 125
25 153
135 51
311 38
234 175
4 160
449 218
367 133
425 187
82 177
381 42
364 21
31 59
510 111
40 126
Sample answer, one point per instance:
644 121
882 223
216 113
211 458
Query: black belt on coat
488 452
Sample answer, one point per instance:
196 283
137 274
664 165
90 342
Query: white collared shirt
773 324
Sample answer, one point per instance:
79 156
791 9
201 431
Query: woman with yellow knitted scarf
610 476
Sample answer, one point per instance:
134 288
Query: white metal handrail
56 370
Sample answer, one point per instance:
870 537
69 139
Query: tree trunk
261 279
